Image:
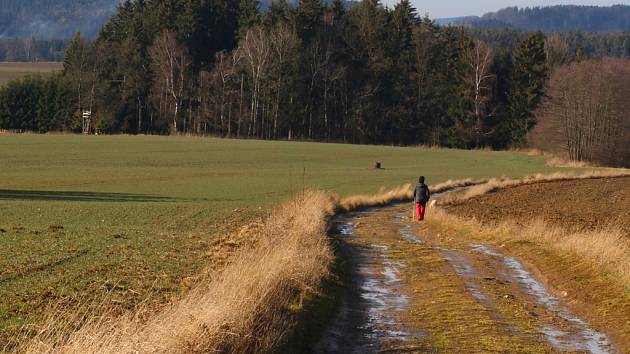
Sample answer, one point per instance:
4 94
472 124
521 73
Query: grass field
10 70
81 217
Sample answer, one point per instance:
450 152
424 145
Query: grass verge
495 184
266 298
589 270
244 308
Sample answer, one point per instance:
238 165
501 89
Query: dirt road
413 289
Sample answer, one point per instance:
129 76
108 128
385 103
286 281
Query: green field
12 70
82 216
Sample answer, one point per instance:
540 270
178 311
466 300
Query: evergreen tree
404 21
280 11
404 18
309 19
248 17
526 87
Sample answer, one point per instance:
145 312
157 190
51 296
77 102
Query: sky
456 8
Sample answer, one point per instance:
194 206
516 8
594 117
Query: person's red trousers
420 209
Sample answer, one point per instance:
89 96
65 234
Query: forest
314 71
32 50
368 74
560 18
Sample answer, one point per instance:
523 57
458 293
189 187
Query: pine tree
309 19
248 17
527 83
279 12
402 48
75 67
404 18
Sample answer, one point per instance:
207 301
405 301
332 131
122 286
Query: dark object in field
55 228
2 231
377 165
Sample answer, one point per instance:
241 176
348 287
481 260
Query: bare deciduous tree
256 51
586 111
318 56
479 58
557 49
172 66
284 42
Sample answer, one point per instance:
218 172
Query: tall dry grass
606 249
243 308
398 194
501 183
247 306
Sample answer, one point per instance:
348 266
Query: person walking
421 196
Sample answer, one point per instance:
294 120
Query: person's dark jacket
421 194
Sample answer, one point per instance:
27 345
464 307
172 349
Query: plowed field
576 205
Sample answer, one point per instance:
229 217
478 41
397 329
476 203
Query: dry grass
382 198
501 183
556 161
251 304
399 194
605 250
246 307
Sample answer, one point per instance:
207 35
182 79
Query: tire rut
412 291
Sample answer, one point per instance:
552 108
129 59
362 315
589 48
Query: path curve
412 289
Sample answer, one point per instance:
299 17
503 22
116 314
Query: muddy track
413 289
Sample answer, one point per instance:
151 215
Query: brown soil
576 205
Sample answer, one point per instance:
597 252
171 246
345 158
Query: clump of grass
495 184
556 161
398 194
246 307
383 197
606 249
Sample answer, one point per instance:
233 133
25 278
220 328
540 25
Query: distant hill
456 20
48 19
61 19
561 18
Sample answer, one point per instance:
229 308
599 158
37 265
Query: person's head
421 179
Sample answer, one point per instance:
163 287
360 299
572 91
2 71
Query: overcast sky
456 8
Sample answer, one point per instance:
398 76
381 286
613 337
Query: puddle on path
369 316
384 298
458 260
380 297
577 335
406 231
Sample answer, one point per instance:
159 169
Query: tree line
586 114
32 50
560 18
572 45
315 71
